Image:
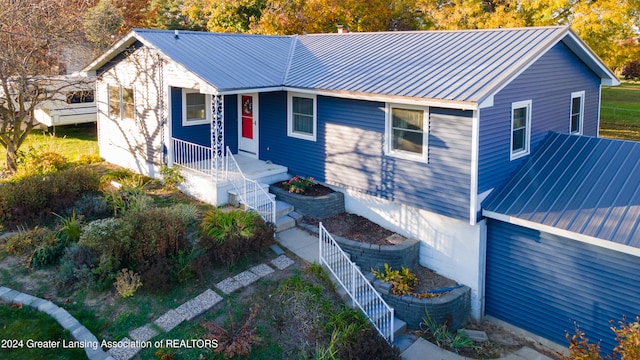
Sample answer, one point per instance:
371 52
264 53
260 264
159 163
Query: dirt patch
355 227
430 280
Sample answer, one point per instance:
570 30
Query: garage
563 240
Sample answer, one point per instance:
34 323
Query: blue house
415 128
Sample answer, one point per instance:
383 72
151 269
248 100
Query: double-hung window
195 109
407 132
121 102
520 128
302 118
577 112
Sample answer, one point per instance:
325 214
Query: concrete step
399 327
284 222
234 198
283 209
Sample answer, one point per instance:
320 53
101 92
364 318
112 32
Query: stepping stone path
139 338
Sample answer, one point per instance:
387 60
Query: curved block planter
369 256
314 206
453 307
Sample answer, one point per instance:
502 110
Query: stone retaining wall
314 206
453 307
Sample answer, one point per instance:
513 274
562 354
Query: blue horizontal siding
544 283
349 153
549 83
201 134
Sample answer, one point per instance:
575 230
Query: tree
32 35
102 23
171 15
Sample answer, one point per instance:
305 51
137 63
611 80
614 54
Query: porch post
217 136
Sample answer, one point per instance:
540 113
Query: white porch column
217 136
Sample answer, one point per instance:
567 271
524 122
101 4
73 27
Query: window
301 119
121 102
80 96
520 128
195 109
577 112
407 132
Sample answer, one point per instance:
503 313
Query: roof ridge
289 59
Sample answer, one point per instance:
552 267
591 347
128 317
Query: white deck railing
361 292
193 156
252 195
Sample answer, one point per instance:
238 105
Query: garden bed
316 206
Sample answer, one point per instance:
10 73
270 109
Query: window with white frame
407 132
302 118
520 128
121 102
195 108
577 112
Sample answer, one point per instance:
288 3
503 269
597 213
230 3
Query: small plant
171 176
298 185
443 338
127 282
27 240
234 341
220 225
71 226
164 354
39 162
403 280
627 336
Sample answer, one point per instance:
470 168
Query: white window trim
121 100
388 137
577 94
520 153
207 109
299 135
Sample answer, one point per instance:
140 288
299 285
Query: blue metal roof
462 65
226 61
584 185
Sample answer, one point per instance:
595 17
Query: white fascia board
405 100
110 53
611 245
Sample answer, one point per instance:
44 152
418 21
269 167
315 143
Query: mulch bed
430 280
354 227
313 190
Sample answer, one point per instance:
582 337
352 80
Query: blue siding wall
201 134
549 84
543 283
349 153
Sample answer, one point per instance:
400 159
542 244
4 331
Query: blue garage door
544 283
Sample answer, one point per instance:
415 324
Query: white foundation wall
450 247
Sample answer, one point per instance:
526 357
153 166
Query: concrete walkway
306 246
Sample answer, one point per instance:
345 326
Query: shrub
111 239
171 176
76 265
91 206
127 282
39 162
631 71
127 199
403 280
187 213
156 275
47 254
156 232
233 341
70 226
32 198
86 159
627 336
26 241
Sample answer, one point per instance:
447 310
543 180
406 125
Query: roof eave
591 59
115 49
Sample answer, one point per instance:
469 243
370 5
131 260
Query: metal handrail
252 195
361 292
192 156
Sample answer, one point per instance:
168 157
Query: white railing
252 195
361 292
192 156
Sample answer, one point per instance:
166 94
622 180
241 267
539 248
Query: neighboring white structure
74 104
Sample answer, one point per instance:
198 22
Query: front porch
210 178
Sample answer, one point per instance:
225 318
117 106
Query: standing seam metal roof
464 65
585 185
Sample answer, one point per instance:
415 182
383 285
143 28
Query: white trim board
611 245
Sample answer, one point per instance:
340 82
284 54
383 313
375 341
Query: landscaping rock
143 333
262 270
199 304
282 262
246 278
228 285
475 335
169 320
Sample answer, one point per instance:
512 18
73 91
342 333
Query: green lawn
70 140
620 111
29 334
